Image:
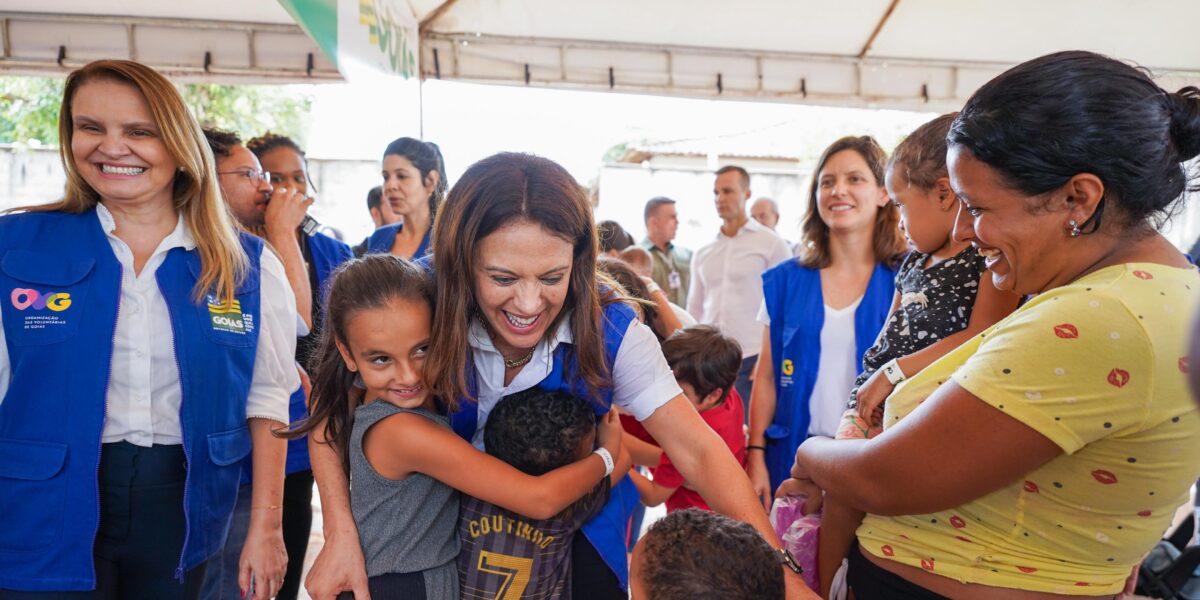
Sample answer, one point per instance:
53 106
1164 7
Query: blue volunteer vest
60 285
382 239
796 307
327 255
607 530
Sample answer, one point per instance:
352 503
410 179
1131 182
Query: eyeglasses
255 177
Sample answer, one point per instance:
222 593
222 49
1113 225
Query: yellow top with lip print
1099 368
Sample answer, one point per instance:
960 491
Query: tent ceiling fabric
213 40
927 54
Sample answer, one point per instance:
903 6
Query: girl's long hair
196 193
360 284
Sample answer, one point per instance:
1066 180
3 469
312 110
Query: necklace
519 362
508 363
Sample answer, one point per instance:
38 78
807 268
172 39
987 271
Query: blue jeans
221 572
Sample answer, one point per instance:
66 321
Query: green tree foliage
29 109
250 110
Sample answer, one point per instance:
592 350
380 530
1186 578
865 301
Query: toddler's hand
805 488
871 395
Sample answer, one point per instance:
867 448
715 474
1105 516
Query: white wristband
891 370
605 456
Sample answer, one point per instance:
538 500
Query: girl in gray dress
405 463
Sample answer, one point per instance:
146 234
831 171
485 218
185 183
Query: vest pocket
231 324
228 447
43 296
226 450
32 493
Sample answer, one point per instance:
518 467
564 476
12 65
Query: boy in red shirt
706 365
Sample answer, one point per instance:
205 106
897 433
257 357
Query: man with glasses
274 214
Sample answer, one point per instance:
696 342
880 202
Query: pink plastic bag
798 532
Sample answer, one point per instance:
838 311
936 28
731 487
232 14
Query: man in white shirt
726 287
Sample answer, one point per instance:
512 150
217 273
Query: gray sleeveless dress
404 526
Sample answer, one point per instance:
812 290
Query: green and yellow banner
362 37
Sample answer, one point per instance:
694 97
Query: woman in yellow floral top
1044 457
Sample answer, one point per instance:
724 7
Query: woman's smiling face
1019 245
848 196
522 275
117 146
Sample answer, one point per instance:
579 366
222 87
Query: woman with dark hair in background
519 305
822 310
310 258
1044 457
414 185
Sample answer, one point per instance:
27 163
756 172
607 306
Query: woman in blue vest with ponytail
146 350
414 184
823 309
518 305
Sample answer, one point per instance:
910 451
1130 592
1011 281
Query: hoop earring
1075 230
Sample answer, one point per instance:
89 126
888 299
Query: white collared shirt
642 381
727 286
144 394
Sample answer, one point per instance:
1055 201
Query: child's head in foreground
705 363
695 554
538 431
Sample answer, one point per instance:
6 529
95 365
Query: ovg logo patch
788 367
228 317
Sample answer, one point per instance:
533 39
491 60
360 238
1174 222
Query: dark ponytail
360 284
1185 121
427 158
1044 121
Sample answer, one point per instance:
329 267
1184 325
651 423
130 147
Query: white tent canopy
920 54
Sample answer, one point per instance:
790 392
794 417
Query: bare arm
642 453
407 443
263 556
667 323
339 565
702 457
762 412
652 494
622 464
954 425
285 212
991 305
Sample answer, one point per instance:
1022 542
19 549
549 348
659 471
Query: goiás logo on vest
228 317
787 367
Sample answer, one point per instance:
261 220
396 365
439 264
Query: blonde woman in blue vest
145 351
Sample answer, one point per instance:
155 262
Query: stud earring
1075 231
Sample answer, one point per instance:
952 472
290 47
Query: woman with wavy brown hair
823 310
145 351
519 305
